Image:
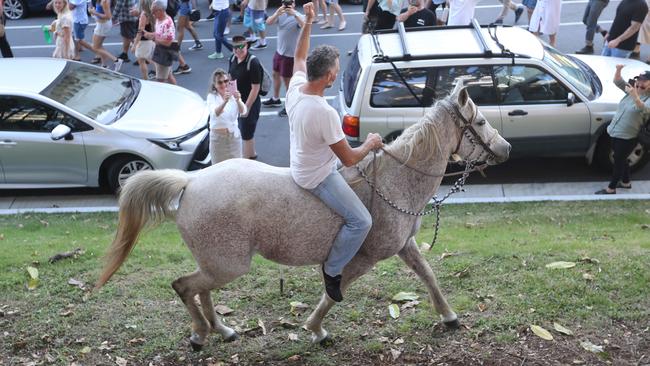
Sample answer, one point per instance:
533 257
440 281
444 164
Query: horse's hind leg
227 333
414 259
357 267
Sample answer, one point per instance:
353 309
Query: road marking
576 2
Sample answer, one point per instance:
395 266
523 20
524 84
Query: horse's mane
423 135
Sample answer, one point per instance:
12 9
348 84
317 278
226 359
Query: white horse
237 208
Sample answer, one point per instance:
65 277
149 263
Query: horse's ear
460 92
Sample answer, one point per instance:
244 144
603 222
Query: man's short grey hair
160 4
320 61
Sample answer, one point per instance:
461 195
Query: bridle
466 130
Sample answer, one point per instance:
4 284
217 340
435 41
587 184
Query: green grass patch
495 279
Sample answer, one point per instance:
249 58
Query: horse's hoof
452 324
231 338
196 347
326 342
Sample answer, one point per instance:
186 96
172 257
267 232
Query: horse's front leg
358 266
414 259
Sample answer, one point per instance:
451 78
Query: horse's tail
146 197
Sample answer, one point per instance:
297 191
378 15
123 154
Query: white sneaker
117 65
226 31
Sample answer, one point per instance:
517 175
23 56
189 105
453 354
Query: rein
467 130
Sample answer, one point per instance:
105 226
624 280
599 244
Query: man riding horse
317 140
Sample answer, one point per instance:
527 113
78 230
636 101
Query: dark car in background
18 9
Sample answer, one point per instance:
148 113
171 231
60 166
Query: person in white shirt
461 12
317 142
225 105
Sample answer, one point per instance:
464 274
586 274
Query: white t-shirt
461 12
313 126
228 117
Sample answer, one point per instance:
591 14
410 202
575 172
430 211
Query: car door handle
517 112
7 143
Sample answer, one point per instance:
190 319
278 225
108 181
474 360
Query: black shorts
128 29
248 124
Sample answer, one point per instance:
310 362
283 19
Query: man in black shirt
416 15
623 34
249 81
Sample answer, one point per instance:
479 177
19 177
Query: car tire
604 156
123 168
15 9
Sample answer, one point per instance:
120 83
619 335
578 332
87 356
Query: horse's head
478 140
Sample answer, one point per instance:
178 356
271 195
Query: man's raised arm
302 49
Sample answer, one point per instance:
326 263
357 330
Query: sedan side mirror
61 131
570 99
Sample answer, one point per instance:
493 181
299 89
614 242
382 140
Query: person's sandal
604 191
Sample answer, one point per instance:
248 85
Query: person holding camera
416 15
289 23
632 112
225 105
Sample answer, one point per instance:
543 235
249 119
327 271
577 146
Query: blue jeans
220 21
615 52
335 192
590 17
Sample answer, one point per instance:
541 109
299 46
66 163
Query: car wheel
15 9
605 156
122 169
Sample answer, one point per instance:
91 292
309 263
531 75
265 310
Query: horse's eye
480 122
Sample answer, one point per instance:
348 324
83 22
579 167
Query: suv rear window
351 77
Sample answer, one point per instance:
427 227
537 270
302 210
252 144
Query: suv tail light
351 125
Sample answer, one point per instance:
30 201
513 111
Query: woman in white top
225 107
546 19
62 29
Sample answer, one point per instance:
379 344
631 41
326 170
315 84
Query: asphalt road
27 39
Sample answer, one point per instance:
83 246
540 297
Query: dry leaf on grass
410 304
120 361
297 307
395 354
591 347
541 332
463 273
261 324
294 358
77 283
405 296
33 278
393 310
85 350
223 309
561 265
481 307
588 276
562 329
293 337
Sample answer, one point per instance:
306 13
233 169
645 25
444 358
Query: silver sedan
69 124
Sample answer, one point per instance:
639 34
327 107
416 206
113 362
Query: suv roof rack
407 56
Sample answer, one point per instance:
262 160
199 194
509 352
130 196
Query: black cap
644 76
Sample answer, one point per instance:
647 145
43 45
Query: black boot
332 286
586 50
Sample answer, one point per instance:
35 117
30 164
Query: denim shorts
79 31
185 9
254 19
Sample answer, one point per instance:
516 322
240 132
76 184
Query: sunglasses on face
222 81
239 46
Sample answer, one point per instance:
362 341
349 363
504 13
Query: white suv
544 102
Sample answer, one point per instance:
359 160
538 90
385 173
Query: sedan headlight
174 143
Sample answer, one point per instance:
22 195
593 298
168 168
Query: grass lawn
490 260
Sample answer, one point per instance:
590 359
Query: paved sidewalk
474 193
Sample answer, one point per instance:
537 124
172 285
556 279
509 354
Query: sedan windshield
99 94
570 70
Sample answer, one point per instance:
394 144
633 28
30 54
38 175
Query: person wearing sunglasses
225 105
247 70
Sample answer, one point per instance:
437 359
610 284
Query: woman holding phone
225 105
